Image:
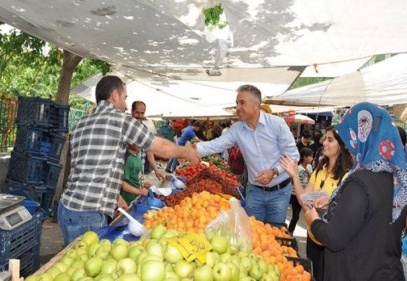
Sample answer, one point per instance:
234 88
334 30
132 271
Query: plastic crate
57 144
26 168
48 199
63 118
289 242
34 111
32 192
29 262
51 171
31 140
306 263
14 243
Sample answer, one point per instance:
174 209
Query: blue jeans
266 206
74 223
172 165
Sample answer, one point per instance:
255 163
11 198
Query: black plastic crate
14 243
289 242
52 171
29 262
31 140
306 263
48 199
26 168
57 144
31 192
62 118
34 111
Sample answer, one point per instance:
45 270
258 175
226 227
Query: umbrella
299 119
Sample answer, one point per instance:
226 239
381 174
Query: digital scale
12 212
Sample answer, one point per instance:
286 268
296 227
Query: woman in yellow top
331 170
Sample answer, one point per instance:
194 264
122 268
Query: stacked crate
35 161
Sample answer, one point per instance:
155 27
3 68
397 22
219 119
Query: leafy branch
212 17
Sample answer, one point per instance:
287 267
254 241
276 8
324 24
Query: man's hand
264 177
160 175
192 154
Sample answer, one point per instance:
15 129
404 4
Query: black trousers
296 209
316 254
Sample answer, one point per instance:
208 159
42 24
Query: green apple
129 277
171 275
71 253
135 251
221 272
53 271
32 277
246 262
104 277
153 271
119 251
263 265
102 252
158 231
256 272
151 257
141 257
63 276
93 266
45 277
220 244
118 241
78 273
62 267
90 237
126 265
225 257
272 276
212 258
172 254
155 248
235 271
67 260
105 243
84 257
109 266
203 273
92 249
183 269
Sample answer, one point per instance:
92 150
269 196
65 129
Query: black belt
279 186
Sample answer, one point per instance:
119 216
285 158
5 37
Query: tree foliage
32 67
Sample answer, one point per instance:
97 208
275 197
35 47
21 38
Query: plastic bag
233 224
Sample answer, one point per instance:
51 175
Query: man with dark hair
305 140
262 139
98 144
138 111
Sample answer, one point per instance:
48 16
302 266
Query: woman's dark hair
304 153
106 86
403 135
344 161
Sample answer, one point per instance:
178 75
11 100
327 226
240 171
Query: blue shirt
261 148
187 135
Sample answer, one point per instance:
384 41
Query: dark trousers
296 209
316 254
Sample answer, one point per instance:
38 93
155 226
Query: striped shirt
98 145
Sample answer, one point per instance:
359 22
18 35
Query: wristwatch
275 172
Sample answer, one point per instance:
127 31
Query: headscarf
371 136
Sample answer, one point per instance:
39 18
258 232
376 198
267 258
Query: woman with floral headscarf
366 216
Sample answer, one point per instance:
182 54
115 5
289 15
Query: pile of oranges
192 214
264 244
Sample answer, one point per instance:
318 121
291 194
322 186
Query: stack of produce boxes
35 161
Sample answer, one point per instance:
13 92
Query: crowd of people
354 229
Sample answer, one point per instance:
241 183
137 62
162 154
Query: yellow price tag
191 245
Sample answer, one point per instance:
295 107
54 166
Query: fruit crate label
191 245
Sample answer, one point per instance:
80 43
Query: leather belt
279 186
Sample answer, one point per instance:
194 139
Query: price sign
191 245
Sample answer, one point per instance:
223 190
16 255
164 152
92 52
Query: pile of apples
153 258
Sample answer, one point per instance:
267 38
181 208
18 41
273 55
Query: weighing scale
12 212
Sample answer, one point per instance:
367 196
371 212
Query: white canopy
384 83
167 38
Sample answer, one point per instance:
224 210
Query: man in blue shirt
187 135
262 138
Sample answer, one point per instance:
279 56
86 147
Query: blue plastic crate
26 168
14 243
34 111
29 262
63 118
52 171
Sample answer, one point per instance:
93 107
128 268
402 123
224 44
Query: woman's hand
291 166
310 215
